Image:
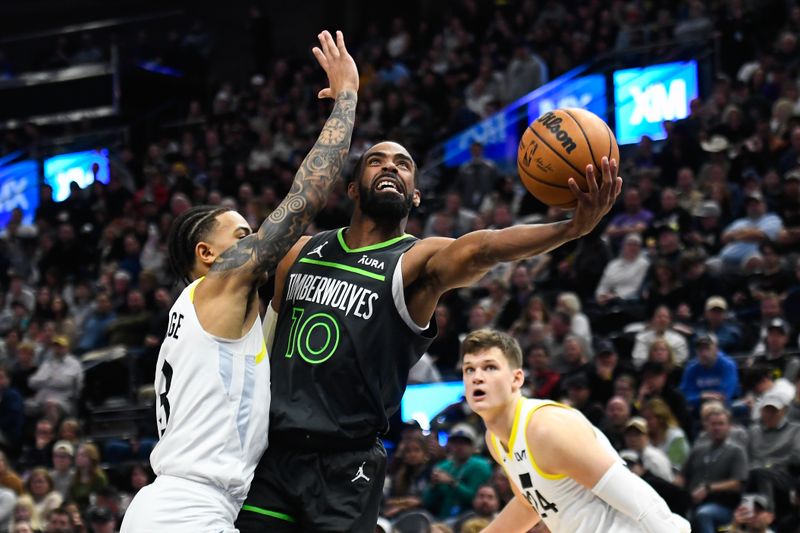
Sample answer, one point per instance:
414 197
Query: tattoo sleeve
261 251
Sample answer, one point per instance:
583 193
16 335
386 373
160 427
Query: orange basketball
557 146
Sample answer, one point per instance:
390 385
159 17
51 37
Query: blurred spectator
41 453
670 215
661 352
623 276
711 375
476 179
485 506
569 303
502 486
615 421
579 397
59 380
715 474
776 356
633 221
753 515
707 228
651 458
12 414
94 332
773 450
724 327
542 381
604 369
8 477
738 434
62 472
660 327
773 275
132 323
664 286
59 520
455 480
409 475
655 384
89 477
744 235
664 431
525 72
460 217
793 414
445 348
25 512
8 500
101 520
139 476
40 487
574 359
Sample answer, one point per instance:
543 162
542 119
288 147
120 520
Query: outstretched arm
468 258
566 444
260 252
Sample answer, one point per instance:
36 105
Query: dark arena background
115 117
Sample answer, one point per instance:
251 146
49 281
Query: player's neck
365 231
500 421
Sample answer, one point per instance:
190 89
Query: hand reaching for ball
597 201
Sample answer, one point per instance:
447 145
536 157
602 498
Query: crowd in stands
673 327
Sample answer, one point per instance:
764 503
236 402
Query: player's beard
384 207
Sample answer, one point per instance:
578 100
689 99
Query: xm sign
19 189
644 98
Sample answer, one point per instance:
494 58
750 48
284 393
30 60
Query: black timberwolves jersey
344 340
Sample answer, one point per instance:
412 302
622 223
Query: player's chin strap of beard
631 495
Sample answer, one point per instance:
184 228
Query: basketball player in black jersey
354 310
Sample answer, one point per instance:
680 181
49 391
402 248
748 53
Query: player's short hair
191 227
358 167
483 339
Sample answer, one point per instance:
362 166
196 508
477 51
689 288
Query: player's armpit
283 270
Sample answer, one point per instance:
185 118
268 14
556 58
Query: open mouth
478 394
388 183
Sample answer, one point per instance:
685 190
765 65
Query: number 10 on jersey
313 348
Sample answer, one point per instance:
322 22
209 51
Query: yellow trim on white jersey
193 287
527 446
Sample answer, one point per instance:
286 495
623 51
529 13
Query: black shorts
315 491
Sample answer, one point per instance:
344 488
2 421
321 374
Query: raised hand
337 63
597 201
260 252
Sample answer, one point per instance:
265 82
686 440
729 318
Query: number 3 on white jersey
163 400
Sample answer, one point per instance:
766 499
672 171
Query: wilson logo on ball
553 123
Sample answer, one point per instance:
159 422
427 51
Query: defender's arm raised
244 263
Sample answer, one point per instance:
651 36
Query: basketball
557 146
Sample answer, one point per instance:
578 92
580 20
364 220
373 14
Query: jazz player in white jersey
212 375
562 469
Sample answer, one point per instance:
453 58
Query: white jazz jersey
565 505
212 402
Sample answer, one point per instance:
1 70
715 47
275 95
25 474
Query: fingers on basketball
558 147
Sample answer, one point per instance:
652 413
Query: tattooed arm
227 302
260 252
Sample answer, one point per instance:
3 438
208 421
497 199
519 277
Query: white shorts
178 505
